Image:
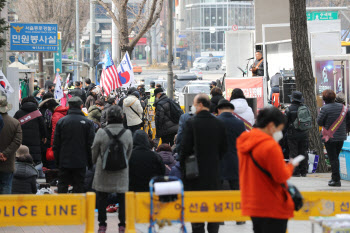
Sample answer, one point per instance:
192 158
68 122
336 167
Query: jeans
299 146
71 176
269 225
212 227
6 182
230 184
333 151
275 89
102 199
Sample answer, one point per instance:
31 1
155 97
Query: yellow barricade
219 206
38 210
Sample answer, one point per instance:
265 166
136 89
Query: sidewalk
313 182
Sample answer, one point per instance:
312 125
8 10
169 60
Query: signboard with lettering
58 56
219 206
33 37
321 15
37 210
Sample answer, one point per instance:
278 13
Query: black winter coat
292 114
164 126
234 128
74 135
33 131
209 143
144 164
80 93
24 179
214 101
328 115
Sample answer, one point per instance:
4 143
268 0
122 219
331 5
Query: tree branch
110 12
138 17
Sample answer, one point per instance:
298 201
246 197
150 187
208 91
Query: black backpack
175 111
114 158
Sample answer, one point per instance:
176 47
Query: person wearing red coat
58 113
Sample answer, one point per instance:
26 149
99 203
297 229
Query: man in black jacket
165 128
204 135
74 135
298 141
77 91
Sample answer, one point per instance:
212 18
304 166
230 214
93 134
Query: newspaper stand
170 196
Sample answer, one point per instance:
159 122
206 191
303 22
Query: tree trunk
305 80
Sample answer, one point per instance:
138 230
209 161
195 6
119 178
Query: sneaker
112 208
296 175
121 229
102 229
303 175
334 183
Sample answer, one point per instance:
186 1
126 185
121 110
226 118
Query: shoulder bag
291 189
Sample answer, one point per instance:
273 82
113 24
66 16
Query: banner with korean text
251 87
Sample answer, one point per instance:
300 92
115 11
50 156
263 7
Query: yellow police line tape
219 206
210 206
38 210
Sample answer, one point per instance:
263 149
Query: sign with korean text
37 210
219 206
251 87
34 37
321 15
58 56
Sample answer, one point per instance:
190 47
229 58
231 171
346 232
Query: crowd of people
230 144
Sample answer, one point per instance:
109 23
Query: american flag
109 75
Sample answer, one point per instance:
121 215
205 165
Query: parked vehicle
182 79
197 72
193 87
137 69
207 63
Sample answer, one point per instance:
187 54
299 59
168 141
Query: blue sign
33 37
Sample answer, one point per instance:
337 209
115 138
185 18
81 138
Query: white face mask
277 136
193 109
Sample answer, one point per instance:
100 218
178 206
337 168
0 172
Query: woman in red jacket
264 199
58 112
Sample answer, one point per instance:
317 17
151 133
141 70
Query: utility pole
175 52
154 45
41 69
4 56
170 90
92 39
115 37
77 40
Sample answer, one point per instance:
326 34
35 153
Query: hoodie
59 113
261 196
243 110
168 159
144 164
24 179
95 114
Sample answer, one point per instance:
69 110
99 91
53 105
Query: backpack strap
110 135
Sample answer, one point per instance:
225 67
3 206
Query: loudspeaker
252 102
287 86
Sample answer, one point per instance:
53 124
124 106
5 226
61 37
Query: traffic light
96 49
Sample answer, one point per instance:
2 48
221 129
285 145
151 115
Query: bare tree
61 12
305 80
145 15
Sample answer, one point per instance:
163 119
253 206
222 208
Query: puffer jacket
168 160
164 126
94 114
243 110
104 115
132 118
24 179
78 92
59 113
33 131
328 115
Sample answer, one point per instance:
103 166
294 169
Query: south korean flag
5 86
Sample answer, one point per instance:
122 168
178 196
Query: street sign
321 15
147 49
234 27
33 37
58 56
